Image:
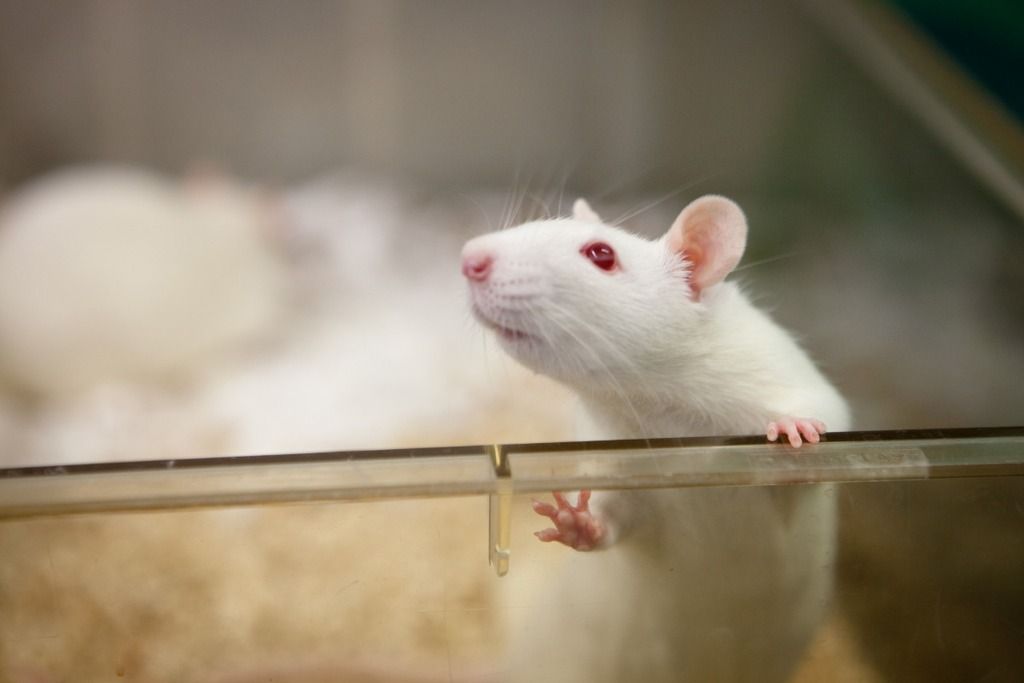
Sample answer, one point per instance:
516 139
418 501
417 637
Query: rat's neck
718 377
641 415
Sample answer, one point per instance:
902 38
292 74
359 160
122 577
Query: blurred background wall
455 92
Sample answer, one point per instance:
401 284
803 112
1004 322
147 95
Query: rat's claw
795 427
547 535
809 431
545 509
794 435
560 498
575 526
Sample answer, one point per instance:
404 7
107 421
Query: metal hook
500 516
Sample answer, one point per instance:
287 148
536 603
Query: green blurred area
985 36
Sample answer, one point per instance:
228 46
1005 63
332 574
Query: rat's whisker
561 191
770 259
539 201
616 386
644 208
488 219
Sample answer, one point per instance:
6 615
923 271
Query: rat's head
585 302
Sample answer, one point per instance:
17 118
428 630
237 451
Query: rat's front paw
575 527
794 427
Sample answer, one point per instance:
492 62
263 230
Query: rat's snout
477 267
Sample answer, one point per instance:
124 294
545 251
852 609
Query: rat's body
741 371
694 585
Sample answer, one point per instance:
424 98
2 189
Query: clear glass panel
526 468
907 573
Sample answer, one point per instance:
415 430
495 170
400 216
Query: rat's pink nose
477 266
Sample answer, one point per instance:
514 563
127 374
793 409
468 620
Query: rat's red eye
600 254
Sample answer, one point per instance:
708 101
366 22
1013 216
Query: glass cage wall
740 561
885 232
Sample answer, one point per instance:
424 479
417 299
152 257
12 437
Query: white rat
114 273
718 584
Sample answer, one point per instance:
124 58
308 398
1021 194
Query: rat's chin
506 334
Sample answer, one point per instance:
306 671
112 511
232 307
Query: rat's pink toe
796 430
575 526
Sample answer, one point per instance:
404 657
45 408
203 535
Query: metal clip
500 517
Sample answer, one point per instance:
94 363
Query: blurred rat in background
116 273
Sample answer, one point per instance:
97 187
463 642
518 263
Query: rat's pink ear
581 211
710 234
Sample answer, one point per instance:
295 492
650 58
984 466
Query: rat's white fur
646 359
111 272
674 597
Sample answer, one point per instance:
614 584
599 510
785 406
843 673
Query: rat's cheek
483 297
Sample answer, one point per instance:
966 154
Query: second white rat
717 584
114 273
